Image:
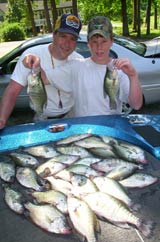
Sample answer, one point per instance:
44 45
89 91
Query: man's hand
31 61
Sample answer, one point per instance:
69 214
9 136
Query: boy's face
99 47
65 44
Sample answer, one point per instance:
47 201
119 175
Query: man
59 103
85 79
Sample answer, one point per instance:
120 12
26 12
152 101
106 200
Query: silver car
144 56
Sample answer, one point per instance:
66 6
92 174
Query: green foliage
12 32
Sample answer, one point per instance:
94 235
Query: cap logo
73 22
98 26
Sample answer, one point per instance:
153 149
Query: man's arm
8 101
135 98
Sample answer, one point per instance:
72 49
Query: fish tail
146 227
135 206
112 104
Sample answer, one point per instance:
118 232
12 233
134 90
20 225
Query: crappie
45 151
49 168
59 184
87 161
84 170
52 197
48 218
113 188
92 142
28 178
130 152
73 150
111 86
139 180
107 165
82 185
7 171
37 94
122 171
103 152
83 218
116 212
24 159
14 199
71 139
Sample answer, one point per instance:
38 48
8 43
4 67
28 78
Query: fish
7 171
111 86
49 168
109 140
83 218
130 152
66 159
52 197
82 185
72 138
59 184
116 212
74 150
103 152
115 189
139 180
92 142
79 169
48 218
37 94
14 199
107 165
28 178
44 151
84 170
123 171
24 159
87 160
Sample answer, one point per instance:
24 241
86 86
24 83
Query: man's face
99 47
65 44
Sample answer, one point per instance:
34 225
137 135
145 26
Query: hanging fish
37 94
111 86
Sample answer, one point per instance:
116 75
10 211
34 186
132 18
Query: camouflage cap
68 23
100 25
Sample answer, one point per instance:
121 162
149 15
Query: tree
47 16
53 11
148 13
74 5
31 14
125 29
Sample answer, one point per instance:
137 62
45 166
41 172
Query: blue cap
68 23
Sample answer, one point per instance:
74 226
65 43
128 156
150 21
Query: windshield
138 48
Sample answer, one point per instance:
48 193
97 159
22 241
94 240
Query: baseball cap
68 23
100 25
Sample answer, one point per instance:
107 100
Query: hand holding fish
31 61
135 98
126 66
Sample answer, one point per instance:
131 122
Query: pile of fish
74 183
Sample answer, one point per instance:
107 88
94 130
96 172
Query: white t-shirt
20 76
84 79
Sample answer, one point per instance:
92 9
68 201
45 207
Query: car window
82 48
130 44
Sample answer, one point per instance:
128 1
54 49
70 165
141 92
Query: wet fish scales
28 178
37 94
14 199
83 218
48 218
111 86
116 212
